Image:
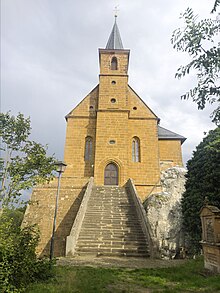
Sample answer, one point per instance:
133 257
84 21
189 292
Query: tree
203 180
23 163
198 39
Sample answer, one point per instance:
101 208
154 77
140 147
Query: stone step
113 252
111 227
109 246
112 249
113 237
99 222
116 213
123 245
118 217
108 236
111 230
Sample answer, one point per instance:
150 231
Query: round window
134 108
113 101
91 107
113 82
112 141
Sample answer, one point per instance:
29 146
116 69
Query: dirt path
123 262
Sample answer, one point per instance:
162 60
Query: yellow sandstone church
112 136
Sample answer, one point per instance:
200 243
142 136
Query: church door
111 174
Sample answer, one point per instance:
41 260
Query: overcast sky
49 61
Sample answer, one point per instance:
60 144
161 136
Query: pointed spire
114 41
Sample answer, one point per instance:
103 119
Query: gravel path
118 262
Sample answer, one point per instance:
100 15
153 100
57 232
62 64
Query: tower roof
114 41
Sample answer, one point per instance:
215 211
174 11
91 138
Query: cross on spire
116 10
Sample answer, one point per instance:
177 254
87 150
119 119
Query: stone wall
40 211
164 212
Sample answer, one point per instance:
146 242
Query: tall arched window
136 149
114 63
88 148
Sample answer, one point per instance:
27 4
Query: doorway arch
111 174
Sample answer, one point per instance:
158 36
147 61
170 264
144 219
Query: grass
189 277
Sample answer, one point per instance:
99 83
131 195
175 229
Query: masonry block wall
41 212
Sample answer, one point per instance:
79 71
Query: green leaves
14 131
217 3
19 265
23 163
203 180
198 39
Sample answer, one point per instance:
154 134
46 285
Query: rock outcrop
164 212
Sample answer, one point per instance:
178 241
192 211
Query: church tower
111 136
111 155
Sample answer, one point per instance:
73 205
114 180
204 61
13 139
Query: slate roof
114 41
164 133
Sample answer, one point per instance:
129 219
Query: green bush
203 181
19 265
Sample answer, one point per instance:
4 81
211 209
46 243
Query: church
114 147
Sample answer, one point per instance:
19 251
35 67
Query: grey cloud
50 61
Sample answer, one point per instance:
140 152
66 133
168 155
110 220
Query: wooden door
111 174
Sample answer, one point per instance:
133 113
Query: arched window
136 149
114 63
88 148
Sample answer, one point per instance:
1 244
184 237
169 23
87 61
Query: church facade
115 135
112 135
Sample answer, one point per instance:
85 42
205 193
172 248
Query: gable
88 106
137 107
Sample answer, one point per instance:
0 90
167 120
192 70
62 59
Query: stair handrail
71 240
142 215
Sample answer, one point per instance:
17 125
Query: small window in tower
114 63
113 101
134 108
113 82
91 108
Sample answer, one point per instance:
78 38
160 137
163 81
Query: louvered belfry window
114 63
88 148
136 149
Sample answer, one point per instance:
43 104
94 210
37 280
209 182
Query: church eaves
114 41
164 133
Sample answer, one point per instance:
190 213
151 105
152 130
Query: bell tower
113 109
113 78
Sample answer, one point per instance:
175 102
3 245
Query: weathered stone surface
164 211
210 218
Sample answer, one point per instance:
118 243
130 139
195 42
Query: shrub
19 265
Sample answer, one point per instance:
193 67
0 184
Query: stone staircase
111 225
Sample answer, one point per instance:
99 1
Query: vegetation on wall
203 180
